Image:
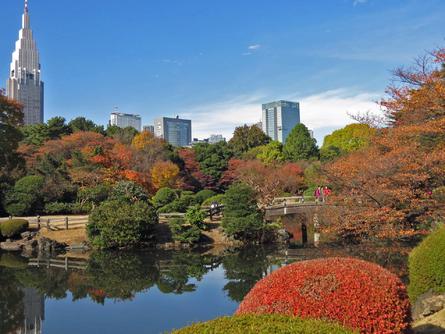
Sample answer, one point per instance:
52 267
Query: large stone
11 246
427 304
50 246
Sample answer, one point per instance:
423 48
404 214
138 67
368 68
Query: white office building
125 120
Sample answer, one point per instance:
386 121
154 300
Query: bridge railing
293 200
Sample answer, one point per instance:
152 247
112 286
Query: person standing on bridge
317 194
326 193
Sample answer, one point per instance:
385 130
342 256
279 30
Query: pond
147 292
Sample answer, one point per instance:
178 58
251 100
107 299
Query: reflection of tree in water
176 271
11 302
243 269
118 275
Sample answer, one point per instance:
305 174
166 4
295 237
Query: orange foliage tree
387 190
164 174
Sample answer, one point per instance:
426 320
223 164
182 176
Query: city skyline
312 56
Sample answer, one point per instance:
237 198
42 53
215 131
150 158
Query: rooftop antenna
26 6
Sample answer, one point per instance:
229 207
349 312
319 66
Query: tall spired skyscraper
24 84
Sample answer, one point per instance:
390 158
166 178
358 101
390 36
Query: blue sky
217 61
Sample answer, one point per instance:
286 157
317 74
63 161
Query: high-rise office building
279 118
176 131
149 128
24 84
125 120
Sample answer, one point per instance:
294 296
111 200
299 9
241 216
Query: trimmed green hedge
13 228
427 265
263 324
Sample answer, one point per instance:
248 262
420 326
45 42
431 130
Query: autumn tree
268 181
386 189
11 117
247 137
192 176
164 174
300 145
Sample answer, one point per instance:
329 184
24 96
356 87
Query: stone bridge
301 220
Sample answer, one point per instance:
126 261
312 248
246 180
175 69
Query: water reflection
156 279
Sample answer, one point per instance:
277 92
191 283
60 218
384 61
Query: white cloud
254 46
319 111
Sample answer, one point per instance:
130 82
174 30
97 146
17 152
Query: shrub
26 196
93 195
263 324
242 219
175 206
128 191
67 208
163 197
186 200
217 198
195 216
203 195
120 224
355 293
183 231
12 228
427 266
57 208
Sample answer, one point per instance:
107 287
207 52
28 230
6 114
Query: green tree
82 124
213 159
348 139
26 197
163 197
242 219
58 185
247 137
124 135
120 224
35 134
271 153
57 127
195 216
300 145
93 195
203 195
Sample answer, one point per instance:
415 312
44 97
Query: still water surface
146 292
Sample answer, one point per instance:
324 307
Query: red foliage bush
355 293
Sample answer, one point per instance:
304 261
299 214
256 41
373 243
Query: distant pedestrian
317 194
326 193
